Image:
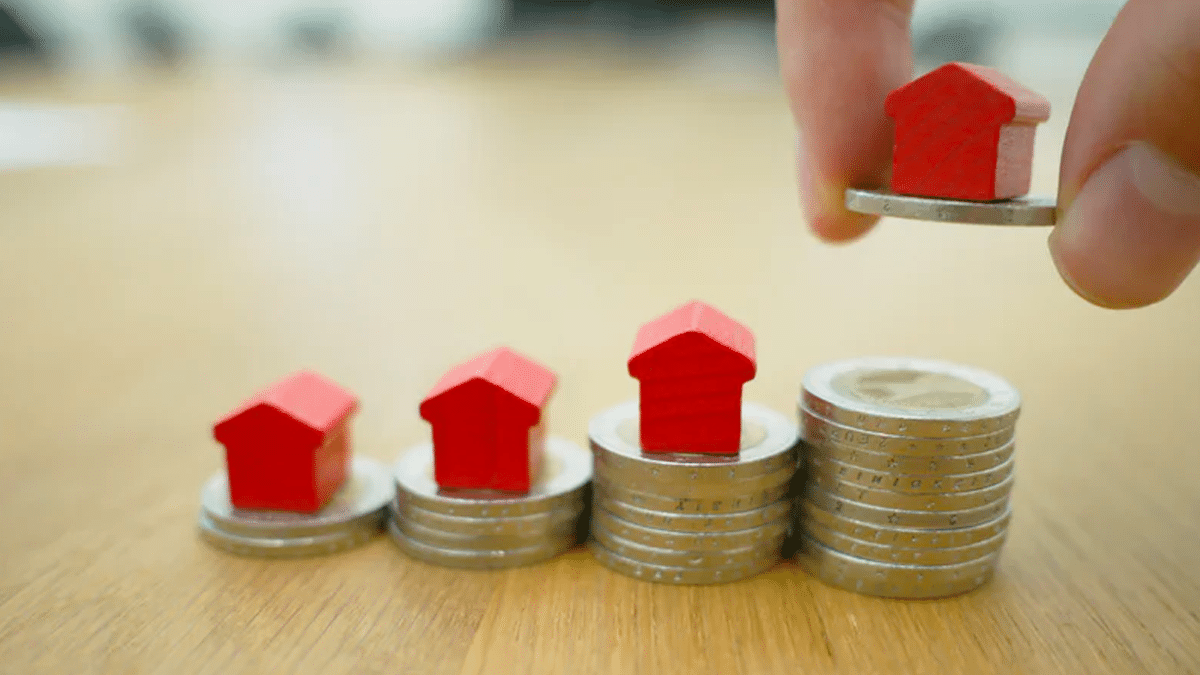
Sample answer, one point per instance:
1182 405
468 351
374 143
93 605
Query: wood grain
379 225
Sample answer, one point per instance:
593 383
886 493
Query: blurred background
214 153
111 35
208 153
1046 44
76 46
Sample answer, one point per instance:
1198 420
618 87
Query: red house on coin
488 430
964 132
288 448
691 364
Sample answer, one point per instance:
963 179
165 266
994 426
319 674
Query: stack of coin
686 518
908 471
485 529
354 515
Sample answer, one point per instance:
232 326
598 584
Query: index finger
840 59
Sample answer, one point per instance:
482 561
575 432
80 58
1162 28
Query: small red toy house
964 132
288 448
691 364
488 431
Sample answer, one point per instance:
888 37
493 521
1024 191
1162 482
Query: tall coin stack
909 468
487 530
691 518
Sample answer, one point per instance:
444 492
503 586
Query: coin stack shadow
686 518
489 530
889 514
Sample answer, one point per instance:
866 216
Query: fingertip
839 61
843 228
1067 264
1132 234
824 205
1129 180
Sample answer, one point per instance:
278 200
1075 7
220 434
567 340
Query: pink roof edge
516 373
308 397
1029 105
695 316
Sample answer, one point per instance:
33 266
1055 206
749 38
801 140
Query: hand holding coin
1127 211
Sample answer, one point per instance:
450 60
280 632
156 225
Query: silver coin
689 541
519 526
901 464
818 431
903 537
682 576
361 500
910 483
921 398
707 489
732 503
910 582
260 546
469 559
683 558
903 518
768 446
423 534
688 522
1025 211
902 555
566 471
950 501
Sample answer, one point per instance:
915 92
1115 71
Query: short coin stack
486 529
689 518
353 516
909 468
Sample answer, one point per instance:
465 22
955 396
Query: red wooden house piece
964 132
488 430
288 448
691 364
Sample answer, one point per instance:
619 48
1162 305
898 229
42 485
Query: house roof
306 397
519 375
1027 105
694 317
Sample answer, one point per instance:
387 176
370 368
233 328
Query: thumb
1129 185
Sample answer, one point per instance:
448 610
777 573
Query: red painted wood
486 415
691 364
693 414
289 447
964 132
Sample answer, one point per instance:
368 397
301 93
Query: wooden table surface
381 224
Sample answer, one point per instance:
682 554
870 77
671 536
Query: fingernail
1132 235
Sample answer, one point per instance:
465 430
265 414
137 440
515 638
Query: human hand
1128 231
